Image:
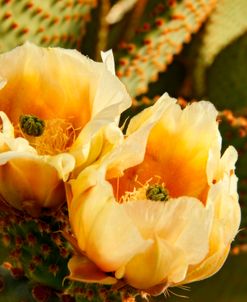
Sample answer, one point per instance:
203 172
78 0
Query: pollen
57 137
148 190
136 194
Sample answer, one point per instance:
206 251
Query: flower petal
51 77
63 85
84 270
224 200
3 82
217 167
25 191
207 267
7 127
150 244
161 263
132 150
108 59
63 162
183 222
177 151
119 239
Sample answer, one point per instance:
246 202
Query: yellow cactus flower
57 110
162 208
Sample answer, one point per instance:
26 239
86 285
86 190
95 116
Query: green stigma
31 125
157 193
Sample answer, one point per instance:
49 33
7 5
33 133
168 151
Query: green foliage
37 255
83 292
145 42
226 77
14 287
36 246
226 23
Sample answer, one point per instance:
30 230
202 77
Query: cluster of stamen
31 125
155 192
48 137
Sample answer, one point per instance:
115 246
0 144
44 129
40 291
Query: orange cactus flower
162 208
57 110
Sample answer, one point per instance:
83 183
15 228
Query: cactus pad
46 22
158 40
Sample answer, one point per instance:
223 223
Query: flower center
157 192
31 125
152 190
48 137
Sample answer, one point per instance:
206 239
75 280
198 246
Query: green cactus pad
36 246
159 38
226 77
37 254
46 22
226 23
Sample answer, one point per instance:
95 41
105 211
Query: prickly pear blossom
57 110
161 209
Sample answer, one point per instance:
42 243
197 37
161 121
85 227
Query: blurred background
192 49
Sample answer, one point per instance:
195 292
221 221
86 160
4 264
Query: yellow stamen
58 136
140 192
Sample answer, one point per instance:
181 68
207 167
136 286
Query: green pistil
157 193
32 125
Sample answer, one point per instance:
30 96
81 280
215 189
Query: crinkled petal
63 162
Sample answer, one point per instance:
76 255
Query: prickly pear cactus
35 256
146 37
35 246
46 22
164 28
